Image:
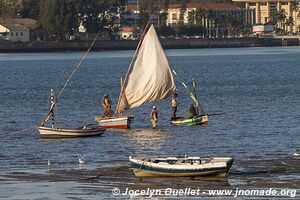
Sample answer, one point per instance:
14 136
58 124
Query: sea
251 94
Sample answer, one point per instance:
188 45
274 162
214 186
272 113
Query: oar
189 92
214 114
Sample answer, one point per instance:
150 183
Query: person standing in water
174 105
153 117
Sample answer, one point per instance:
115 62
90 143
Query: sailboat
200 118
150 79
54 132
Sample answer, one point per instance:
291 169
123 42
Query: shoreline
101 45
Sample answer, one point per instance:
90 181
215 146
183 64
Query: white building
265 10
14 32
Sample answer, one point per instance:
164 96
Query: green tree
31 9
144 18
163 18
48 12
166 31
295 9
1 9
192 17
290 22
154 7
10 8
182 12
59 17
278 17
182 29
100 15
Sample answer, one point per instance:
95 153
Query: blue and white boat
181 166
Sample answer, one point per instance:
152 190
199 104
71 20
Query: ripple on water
255 94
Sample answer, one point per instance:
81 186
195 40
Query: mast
131 63
198 105
52 99
150 78
194 90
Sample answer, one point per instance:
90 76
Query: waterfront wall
130 44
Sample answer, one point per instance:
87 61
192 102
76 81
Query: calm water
256 89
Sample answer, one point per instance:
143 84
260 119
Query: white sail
151 78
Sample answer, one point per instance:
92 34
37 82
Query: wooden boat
58 132
53 133
149 78
178 166
121 122
197 120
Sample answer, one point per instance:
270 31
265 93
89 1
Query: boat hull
145 169
122 122
53 133
149 173
198 120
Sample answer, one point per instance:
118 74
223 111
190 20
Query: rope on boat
68 80
189 92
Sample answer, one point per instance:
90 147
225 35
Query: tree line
61 17
281 21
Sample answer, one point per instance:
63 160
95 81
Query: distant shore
14 47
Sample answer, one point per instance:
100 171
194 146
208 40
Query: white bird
81 161
49 162
296 153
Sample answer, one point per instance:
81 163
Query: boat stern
121 122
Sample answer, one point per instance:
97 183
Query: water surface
257 90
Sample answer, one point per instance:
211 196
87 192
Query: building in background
14 32
21 30
283 13
216 18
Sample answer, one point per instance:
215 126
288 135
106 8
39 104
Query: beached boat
149 78
58 132
197 120
53 133
181 166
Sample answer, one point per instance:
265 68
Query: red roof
223 6
126 30
133 7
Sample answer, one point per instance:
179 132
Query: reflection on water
146 140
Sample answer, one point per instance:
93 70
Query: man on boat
153 117
174 105
192 111
106 104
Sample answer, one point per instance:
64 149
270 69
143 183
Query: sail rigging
151 78
69 78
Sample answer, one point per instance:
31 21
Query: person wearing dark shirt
153 117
